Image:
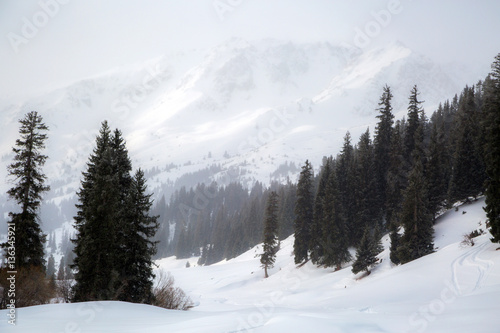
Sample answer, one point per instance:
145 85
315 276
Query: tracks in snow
469 270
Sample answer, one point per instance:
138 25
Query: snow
455 289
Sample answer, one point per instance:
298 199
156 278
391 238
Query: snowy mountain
239 111
454 289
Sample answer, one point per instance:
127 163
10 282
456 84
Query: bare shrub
167 296
468 240
31 287
64 290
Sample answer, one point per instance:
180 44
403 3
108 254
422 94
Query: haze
76 39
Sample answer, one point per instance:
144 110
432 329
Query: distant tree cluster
217 222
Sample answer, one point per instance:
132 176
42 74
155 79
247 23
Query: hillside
235 112
454 289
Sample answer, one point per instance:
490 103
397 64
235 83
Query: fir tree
415 217
382 147
27 192
270 246
334 233
316 245
138 249
468 176
303 214
366 255
492 149
51 268
414 120
346 177
367 213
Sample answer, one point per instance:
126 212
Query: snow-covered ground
455 289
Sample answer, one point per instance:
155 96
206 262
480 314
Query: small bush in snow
167 296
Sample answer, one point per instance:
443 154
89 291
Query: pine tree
51 268
366 255
435 171
382 147
303 214
138 248
415 217
366 213
414 120
27 192
468 174
270 235
491 127
334 233
316 245
346 178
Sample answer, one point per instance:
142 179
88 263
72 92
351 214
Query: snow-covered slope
455 289
246 107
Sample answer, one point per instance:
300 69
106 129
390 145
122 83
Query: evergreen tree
303 214
468 175
138 249
492 148
27 192
112 246
61 272
316 245
367 213
270 246
435 171
346 177
334 233
414 120
366 255
382 147
415 217
51 268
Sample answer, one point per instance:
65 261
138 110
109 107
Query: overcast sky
48 43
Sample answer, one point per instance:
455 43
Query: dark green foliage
366 253
492 148
396 179
334 233
436 171
27 192
394 236
303 214
414 121
112 247
270 235
382 147
415 217
367 211
468 173
136 258
316 245
346 183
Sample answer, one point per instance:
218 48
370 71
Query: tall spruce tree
29 185
491 126
316 245
468 175
270 234
346 178
138 248
334 229
113 229
366 253
303 214
414 120
382 147
417 239
367 213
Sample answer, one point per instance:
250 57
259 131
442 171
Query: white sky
80 38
